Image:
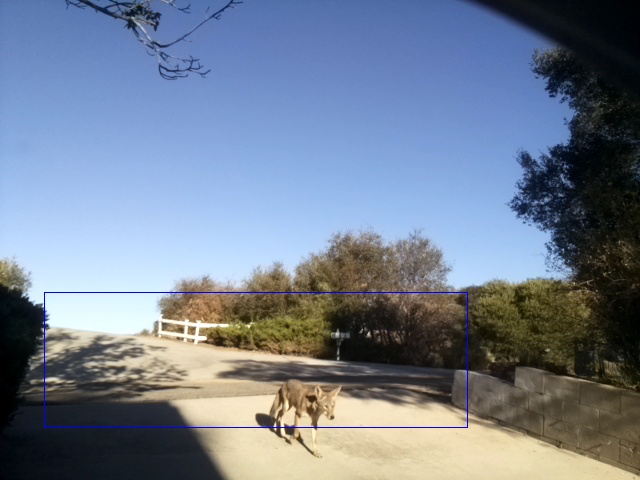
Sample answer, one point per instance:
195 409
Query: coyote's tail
276 403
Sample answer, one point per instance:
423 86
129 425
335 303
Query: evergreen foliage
21 330
586 194
538 323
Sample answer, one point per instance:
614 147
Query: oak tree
586 194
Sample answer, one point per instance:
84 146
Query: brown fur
310 401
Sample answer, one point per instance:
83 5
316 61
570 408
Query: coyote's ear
318 392
336 391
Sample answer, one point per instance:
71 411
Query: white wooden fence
187 324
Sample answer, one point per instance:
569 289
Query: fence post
197 331
160 327
186 330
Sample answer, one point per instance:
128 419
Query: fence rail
187 324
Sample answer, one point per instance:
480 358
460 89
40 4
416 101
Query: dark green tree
21 330
255 307
362 261
415 329
357 262
586 194
416 264
537 323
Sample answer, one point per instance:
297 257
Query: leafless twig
139 15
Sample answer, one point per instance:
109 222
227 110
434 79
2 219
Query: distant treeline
412 329
543 323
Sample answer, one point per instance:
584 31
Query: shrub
537 323
282 335
235 335
21 324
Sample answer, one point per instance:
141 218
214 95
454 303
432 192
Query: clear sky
318 116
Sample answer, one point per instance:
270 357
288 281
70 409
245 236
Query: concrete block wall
599 421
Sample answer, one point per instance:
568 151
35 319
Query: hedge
21 329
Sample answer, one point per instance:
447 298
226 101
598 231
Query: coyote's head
327 401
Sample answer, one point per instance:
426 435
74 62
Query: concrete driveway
86 366
248 449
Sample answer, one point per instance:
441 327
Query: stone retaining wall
598 421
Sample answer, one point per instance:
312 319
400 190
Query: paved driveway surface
249 449
92 366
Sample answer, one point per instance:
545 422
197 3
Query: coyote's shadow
267 422
264 420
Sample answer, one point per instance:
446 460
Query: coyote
307 401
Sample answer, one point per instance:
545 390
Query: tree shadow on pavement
398 395
102 363
27 450
395 388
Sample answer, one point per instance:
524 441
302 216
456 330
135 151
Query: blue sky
317 117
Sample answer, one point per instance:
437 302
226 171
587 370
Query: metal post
338 337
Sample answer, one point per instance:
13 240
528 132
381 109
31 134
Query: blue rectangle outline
44 305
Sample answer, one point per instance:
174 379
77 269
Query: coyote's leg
313 438
277 425
295 433
284 406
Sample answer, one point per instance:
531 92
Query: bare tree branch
139 15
